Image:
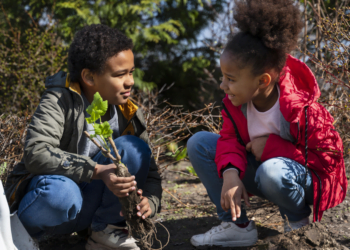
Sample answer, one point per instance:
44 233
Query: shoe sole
244 243
90 245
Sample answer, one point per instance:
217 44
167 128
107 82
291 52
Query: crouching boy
64 184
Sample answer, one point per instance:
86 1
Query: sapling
138 227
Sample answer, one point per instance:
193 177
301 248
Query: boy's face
116 81
240 84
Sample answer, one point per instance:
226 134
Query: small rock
296 238
314 236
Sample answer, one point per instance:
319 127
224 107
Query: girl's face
116 81
239 84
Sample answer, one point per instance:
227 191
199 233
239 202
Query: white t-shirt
263 123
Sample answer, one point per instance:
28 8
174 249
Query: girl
64 184
277 142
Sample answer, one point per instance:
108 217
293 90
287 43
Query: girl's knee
194 141
269 176
199 141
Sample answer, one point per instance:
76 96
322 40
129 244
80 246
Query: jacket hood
62 80
298 88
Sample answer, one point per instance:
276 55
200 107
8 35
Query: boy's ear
87 77
264 80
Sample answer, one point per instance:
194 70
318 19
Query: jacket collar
128 109
73 86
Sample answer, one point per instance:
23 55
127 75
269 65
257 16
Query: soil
191 212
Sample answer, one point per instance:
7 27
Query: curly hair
91 48
268 32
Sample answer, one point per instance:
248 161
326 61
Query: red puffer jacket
299 92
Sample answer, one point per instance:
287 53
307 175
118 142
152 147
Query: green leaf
97 108
103 130
143 85
191 170
181 155
172 147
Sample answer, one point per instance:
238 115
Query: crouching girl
277 142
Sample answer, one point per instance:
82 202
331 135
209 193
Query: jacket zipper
296 141
129 123
319 193
318 177
79 114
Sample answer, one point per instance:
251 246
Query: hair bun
276 22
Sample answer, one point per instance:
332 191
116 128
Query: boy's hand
257 146
143 208
232 192
120 186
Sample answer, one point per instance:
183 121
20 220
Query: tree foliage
165 33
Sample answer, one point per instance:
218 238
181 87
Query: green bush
25 61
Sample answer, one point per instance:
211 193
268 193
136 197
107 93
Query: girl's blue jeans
279 180
55 204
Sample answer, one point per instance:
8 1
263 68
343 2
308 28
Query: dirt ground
187 210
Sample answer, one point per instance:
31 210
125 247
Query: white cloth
5 223
264 123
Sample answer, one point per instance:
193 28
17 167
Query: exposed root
147 240
142 229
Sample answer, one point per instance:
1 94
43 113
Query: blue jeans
55 204
279 180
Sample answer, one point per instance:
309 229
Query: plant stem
115 149
105 144
107 153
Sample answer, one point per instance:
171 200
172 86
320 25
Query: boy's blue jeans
55 204
279 180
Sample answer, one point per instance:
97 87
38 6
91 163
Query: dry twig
175 197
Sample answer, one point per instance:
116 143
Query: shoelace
119 233
216 229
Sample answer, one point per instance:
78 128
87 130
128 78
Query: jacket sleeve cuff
239 164
88 170
230 167
152 205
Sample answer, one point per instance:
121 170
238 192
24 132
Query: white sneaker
227 235
111 238
294 225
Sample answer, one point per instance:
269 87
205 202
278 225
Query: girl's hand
257 146
120 186
232 192
143 208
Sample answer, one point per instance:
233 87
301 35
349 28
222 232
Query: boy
64 184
